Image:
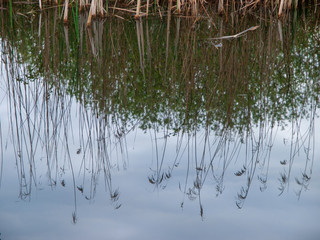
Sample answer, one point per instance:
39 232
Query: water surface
154 129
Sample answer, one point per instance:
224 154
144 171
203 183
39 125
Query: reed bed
144 8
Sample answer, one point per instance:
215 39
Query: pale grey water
147 212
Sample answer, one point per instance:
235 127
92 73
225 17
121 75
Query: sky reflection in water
146 212
113 158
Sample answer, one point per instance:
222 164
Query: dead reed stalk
66 7
137 16
220 7
82 5
178 6
100 7
148 1
90 16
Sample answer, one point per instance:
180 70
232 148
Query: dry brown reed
99 8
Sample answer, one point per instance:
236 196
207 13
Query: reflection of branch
238 34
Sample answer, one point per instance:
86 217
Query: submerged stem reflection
222 101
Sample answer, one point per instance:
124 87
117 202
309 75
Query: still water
160 129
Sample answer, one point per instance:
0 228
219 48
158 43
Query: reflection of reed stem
214 110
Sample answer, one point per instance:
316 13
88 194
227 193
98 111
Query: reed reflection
223 100
42 130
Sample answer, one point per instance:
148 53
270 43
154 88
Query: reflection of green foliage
176 80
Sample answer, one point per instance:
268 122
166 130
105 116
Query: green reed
75 14
11 14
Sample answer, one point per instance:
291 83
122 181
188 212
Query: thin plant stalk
220 7
147 8
90 16
281 7
65 17
107 6
82 5
10 10
100 8
137 16
76 21
179 6
94 8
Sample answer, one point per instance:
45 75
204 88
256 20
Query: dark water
154 130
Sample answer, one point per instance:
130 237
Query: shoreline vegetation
143 8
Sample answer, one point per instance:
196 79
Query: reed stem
82 6
90 16
147 8
137 16
220 7
66 7
100 8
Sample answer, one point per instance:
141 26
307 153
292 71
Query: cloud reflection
159 140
